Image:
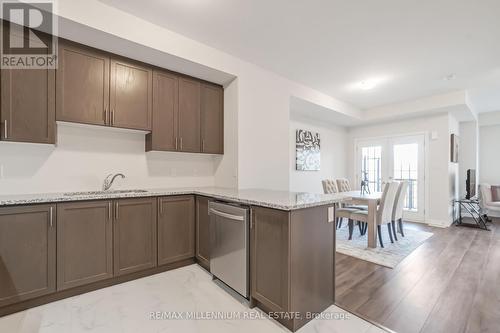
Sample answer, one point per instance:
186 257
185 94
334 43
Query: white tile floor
127 308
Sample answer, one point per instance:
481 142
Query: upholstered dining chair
384 211
343 185
397 214
329 186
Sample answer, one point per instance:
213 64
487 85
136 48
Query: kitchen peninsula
63 244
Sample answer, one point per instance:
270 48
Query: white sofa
489 207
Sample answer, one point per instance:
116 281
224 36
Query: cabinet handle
116 210
161 208
181 142
175 143
109 211
105 115
51 216
203 145
113 117
5 128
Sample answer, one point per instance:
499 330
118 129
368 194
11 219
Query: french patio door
399 158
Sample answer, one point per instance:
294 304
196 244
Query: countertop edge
153 193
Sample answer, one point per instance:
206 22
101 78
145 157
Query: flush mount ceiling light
368 84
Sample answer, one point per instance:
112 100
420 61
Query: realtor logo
28 33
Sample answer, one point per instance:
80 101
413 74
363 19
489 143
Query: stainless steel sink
84 193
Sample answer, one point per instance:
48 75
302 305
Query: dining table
372 200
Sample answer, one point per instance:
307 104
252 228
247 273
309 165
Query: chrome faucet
108 183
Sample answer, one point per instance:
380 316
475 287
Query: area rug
390 255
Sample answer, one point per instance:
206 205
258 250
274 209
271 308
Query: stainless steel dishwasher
229 253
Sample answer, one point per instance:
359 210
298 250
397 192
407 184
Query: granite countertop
282 200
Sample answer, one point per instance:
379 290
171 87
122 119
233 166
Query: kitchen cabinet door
212 119
27 252
202 232
165 111
189 116
82 84
176 218
28 105
84 243
134 234
270 282
131 95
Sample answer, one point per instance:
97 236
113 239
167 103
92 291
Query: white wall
263 98
84 155
437 156
468 152
489 156
333 155
453 169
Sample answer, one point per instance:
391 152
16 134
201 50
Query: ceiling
331 45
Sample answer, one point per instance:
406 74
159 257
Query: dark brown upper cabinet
84 243
27 110
98 88
165 112
212 119
176 219
27 252
130 95
82 84
134 233
189 115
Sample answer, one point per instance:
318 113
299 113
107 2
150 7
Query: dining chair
344 185
329 186
397 214
384 211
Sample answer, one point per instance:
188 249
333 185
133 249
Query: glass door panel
395 158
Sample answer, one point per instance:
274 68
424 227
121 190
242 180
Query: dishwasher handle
227 215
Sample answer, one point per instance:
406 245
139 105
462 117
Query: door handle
226 215
51 216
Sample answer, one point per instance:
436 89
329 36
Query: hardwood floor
449 284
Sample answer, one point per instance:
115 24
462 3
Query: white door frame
360 140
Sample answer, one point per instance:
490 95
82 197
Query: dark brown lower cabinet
270 256
27 252
134 234
203 232
84 243
292 262
176 219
